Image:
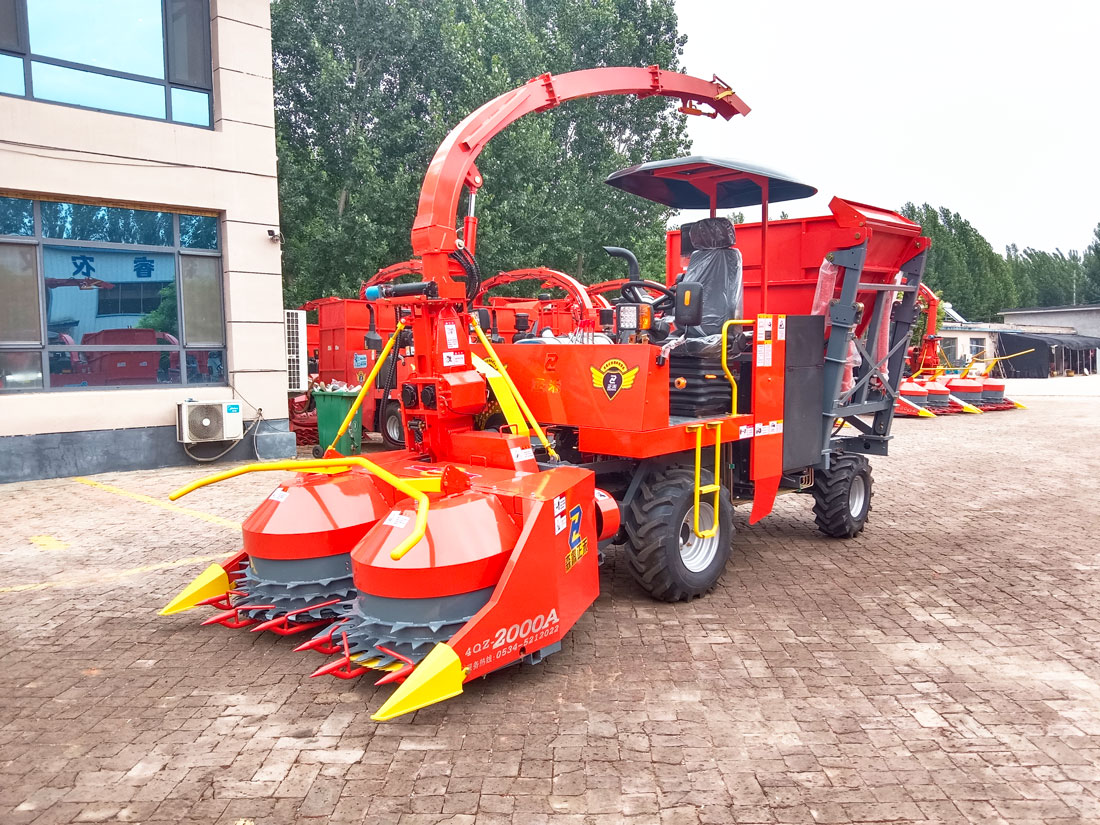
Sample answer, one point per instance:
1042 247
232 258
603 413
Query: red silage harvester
639 428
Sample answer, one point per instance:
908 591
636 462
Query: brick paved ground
941 668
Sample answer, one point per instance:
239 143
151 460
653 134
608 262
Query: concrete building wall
60 152
1084 319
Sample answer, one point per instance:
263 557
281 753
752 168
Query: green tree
359 115
962 266
165 317
1090 270
1047 278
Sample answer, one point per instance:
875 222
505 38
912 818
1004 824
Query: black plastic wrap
718 272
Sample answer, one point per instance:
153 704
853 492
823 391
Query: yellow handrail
512 387
414 488
725 367
378 362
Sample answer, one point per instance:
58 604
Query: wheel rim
696 553
395 430
857 496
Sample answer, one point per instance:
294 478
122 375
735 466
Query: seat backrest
716 266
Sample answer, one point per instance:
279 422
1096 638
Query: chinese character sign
143 267
82 266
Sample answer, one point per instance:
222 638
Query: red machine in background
935 386
470 549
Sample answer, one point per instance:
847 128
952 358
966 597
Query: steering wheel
635 292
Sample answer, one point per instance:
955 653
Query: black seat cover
716 266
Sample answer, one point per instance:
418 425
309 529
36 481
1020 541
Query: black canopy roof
682 183
1058 339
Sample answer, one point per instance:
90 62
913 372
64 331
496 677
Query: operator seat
716 266
697 383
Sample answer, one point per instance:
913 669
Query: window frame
29 58
45 348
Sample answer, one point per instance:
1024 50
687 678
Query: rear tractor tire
842 496
665 556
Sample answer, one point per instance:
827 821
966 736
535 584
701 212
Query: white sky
991 109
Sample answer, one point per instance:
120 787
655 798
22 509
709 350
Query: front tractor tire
842 496
665 556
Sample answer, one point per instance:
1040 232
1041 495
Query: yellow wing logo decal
613 377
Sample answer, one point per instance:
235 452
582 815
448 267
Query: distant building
1082 318
962 341
138 200
1070 348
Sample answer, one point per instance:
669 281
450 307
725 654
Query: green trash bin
332 409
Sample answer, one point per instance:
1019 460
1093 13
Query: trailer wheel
665 556
391 425
842 496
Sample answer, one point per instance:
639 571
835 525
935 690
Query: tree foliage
366 89
962 266
1090 266
964 269
1046 279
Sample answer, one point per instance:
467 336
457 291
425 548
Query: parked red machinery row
934 386
349 333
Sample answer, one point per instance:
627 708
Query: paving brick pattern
942 667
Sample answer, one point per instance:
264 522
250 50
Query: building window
949 348
977 347
149 58
105 296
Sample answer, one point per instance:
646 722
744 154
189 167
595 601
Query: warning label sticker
454 359
279 494
396 520
764 327
764 355
522 454
781 328
450 331
770 428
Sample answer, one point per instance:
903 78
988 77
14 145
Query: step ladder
714 489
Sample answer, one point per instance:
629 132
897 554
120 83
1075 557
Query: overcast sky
989 108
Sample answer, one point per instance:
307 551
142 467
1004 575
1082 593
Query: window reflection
201 278
87 222
91 33
16 216
205 366
12 81
191 107
20 321
97 91
73 368
98 296
20 370
198 232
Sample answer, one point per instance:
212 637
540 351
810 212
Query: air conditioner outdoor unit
198 421
297 351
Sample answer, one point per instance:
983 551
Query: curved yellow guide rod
414 488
